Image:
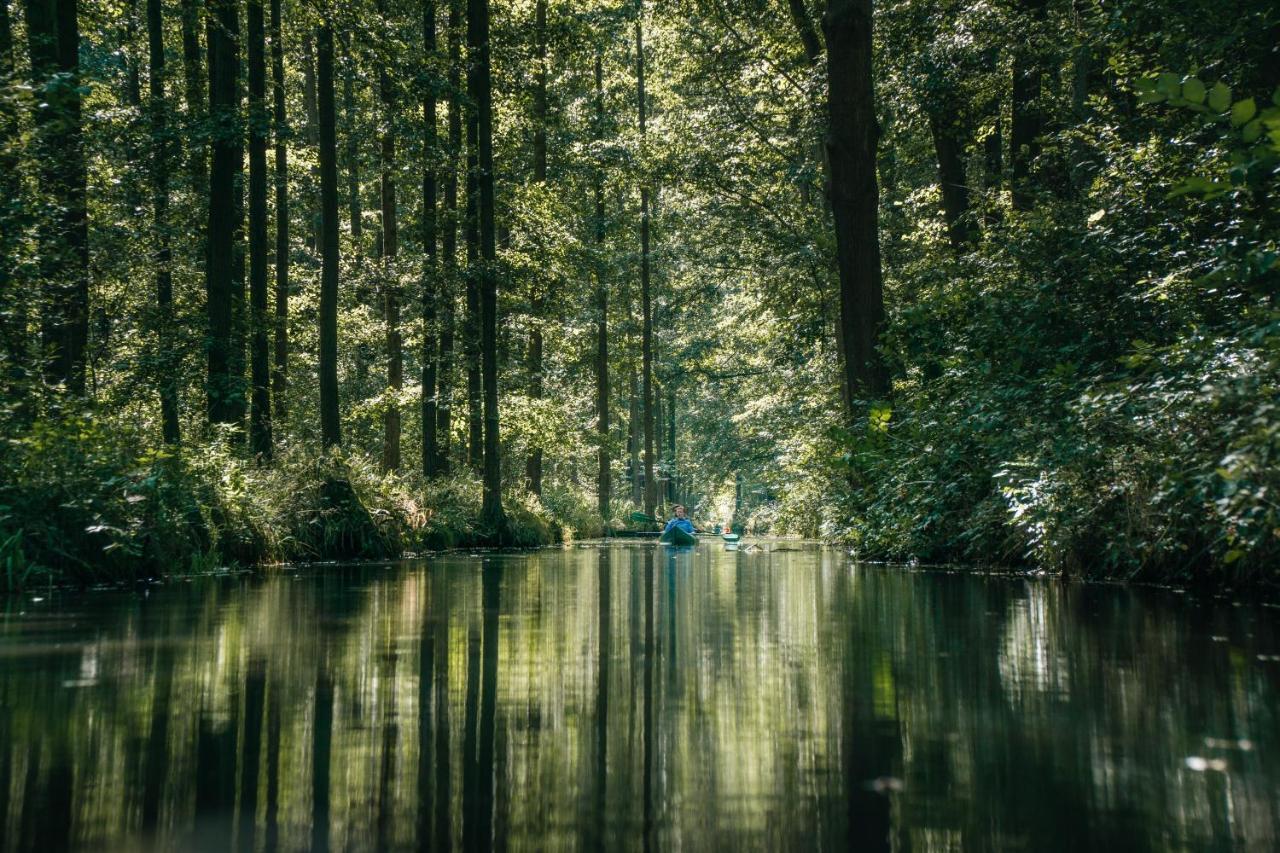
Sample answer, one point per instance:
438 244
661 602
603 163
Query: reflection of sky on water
624 697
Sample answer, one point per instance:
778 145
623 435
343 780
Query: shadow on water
629 697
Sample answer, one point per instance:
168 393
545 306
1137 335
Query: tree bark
481 91
194 90
53 34
431 267
351 156
851 146
160 225
533 466
280 376
1028 122
330 431
13 311
259 325
633 440
449 239
646 306
390 280
471 326
603 484
671 444
225 374
311 109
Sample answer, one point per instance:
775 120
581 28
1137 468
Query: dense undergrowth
88 499
1094 388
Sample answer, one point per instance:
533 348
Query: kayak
676 536
730 537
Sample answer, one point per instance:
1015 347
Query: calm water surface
629 697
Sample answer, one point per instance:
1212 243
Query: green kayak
676 536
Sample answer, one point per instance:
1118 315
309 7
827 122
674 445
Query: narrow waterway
630 696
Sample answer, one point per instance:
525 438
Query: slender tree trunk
481 91
194 90
449 239
1028 122
633 440
53 33
351 155
533 466
851 146
224 389
471 326
431 267
949 139
259 325
390 280
311 110
280 376
330 431
603 484
646 306
160 224
13 313
671 443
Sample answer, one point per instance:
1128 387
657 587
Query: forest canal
633 697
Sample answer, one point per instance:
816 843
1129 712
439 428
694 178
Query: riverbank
86 500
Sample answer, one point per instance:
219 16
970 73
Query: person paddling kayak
681 521
679 530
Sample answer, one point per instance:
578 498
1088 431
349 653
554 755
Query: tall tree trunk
280 375
646 306
449 240
311 109
1028 122
13 313
390 279
633 440
330 431
949 139
259 325
194 92
851 146
603 484
480 89
471 326
53 34
533 465
225 377
160 223
671 442
431 266
351 156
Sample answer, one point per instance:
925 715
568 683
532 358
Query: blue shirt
683 523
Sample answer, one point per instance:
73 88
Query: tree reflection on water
628 697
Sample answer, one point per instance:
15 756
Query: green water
638 697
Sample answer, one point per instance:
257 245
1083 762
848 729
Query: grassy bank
88 500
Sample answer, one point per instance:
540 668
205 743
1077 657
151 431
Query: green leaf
1151 97
1220 98
1169 83
1232 555
1252 131
1243 111
1194 91
1275 96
